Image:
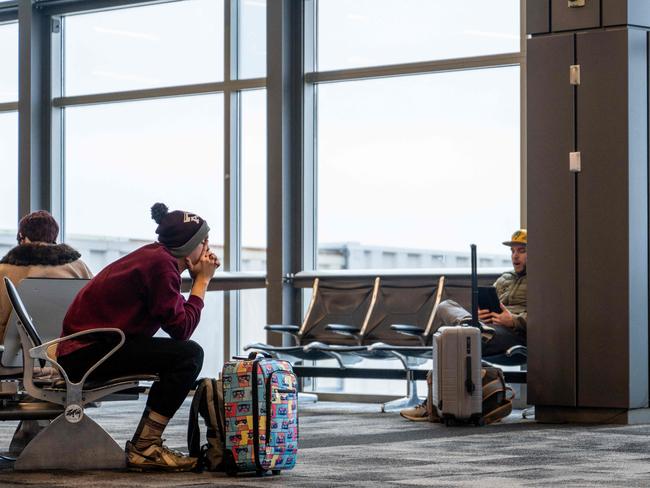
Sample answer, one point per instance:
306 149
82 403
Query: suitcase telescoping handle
469 384
475 321
253 355
474 280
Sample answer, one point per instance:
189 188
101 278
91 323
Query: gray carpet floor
345 445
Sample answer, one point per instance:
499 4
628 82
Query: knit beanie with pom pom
179 231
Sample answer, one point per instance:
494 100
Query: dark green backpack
208 404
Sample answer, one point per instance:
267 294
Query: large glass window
421 163
121 158
9 180
253 177
9 63
252 310
413 167
8 137
252 39
209 334
175 43
358 33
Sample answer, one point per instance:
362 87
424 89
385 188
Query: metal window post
232 180
34 110
284 148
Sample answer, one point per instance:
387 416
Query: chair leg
307 397
528 413
26 431
304 397
64 445
409 401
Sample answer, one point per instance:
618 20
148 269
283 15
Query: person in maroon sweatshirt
140 294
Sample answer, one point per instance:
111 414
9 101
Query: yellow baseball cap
519 238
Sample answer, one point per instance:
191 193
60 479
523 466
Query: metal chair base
410 401
64 445
528 413
26 431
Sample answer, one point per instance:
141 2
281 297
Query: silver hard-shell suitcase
457 388
457 384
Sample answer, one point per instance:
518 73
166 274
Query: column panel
551 215
538 17
564 18
622 12
612 220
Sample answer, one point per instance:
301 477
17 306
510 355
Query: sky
425 162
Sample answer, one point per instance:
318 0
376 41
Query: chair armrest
517 351
289 329
408 329
314 345
343 329
40 352
381 346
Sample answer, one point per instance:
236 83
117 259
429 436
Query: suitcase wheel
276 472
479 422
229 465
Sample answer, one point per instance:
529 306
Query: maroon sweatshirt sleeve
178 317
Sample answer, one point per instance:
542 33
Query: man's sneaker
419 413
157 457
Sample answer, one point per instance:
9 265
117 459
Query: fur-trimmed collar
40 254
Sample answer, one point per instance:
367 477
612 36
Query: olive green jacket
512 290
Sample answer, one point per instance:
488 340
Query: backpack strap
498 413
193 430
221 420
494 387
212 414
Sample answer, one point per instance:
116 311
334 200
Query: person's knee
194 353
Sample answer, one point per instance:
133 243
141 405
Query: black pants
177 364
503 339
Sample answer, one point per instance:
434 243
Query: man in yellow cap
512 289
509 324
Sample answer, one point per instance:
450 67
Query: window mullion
232 183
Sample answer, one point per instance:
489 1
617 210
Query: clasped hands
205 267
